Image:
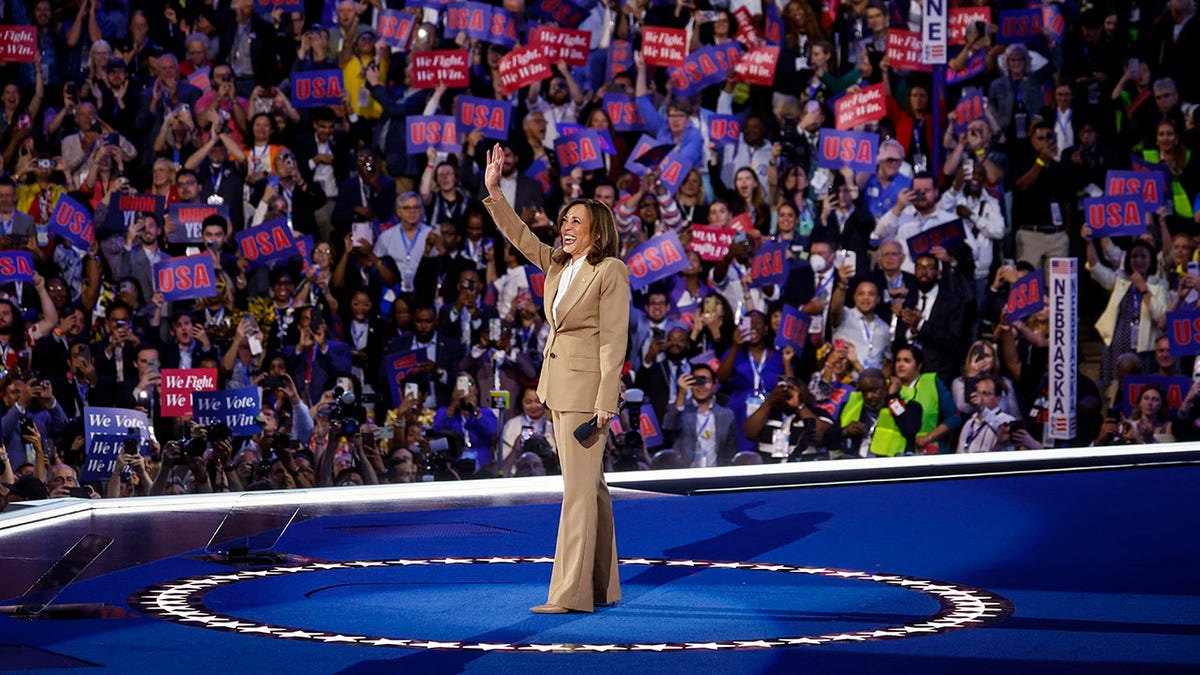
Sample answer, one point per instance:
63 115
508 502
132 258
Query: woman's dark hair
606 241
1127 265
1161 417
918 354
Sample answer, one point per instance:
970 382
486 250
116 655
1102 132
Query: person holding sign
1137 302
587 302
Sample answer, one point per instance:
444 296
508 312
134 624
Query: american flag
1061 425
1062 266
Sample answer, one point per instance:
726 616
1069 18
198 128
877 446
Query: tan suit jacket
585 351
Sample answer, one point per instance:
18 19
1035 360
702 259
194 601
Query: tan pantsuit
581 372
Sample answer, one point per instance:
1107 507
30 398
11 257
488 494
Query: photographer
704 430
988 429
786 426
135 482
303 198
475 425
32 405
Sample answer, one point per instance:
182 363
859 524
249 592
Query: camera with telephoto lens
345 412
630 445
790 142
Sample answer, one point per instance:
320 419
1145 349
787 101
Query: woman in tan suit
587 306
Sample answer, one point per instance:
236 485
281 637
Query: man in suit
82 386
303 198
848 222
521 191
662 366
141 252
17 227
166 94
189 344
365 198
705 434
248 45
324 160
443 263
443 356
894 283
587 301
464 319
317 358
220 180
935 318
115 354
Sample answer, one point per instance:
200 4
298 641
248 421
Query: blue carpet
1099 567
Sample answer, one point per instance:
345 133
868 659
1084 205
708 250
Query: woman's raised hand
491 173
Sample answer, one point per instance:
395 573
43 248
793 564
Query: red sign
712 243
904 50
865 105
747 32
18 43
758 66
742 222
961 18
562 44
522 67
664 46
178 385
444 66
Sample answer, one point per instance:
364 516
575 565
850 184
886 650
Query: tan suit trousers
585 557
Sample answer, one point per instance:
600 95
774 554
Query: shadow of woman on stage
749 539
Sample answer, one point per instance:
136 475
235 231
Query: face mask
819 263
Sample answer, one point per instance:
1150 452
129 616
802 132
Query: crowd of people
904 354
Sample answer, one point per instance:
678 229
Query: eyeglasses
927 266
892 160
410 207
326 251
701 381
186 182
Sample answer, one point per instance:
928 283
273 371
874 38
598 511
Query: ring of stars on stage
182 601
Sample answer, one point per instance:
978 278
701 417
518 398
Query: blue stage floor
1071 572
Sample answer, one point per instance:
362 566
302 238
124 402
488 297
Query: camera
132 438
790 142
630 445
345 411
44 164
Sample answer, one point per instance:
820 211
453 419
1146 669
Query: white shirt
396 245
871 340
910 223
564 283
925 308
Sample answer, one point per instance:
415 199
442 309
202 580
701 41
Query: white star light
341 638
489 647
544 648
662 647
387 642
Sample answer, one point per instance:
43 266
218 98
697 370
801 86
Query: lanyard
976 428
707 419
866 323
359 333
757 368
541 426
408 245
217 175
1064 125
823 286
1137 304
261 159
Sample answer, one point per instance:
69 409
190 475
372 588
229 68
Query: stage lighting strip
182 601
